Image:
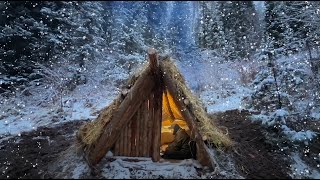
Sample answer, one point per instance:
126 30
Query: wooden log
122 143
129 139
125 142
150 124
145 118
116 148
154 63
157 115
121 149
141 137
137 138
133 135
133 138
204 157
136 96
157 118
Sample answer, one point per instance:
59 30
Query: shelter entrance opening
175 133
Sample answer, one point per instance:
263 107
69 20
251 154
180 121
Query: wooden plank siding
150 126
133 135
136 139
145 130
135 127
140 91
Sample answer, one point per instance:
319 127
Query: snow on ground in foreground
72 165
120 169
301 170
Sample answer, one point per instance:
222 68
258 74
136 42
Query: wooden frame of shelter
131 125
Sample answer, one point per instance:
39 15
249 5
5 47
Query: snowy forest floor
49 152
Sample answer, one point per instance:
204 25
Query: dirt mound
254 155
28 155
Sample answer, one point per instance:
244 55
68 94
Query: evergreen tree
274 27
130 27
241 35
210 34
46 32
290 25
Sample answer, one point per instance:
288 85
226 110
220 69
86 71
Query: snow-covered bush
265 95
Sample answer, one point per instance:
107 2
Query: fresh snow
120 169
300 135
78 170
83 103
302 171
221 104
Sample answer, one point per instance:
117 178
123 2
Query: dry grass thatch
91 131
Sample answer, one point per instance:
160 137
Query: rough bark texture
157 117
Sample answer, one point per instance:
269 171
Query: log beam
157 119
153 60
204 157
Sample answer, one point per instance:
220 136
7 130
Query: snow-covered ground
43 106
23 114
216 103
120 169
70 165
300 170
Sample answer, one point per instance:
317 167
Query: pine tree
130 27
210 33
291 25
274 26
46 32
241 35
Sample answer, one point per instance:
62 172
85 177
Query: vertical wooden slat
145 129
138 134
141 137
157 118
153 59
116 148
125 141
121 144
150 125
133 135
129 138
